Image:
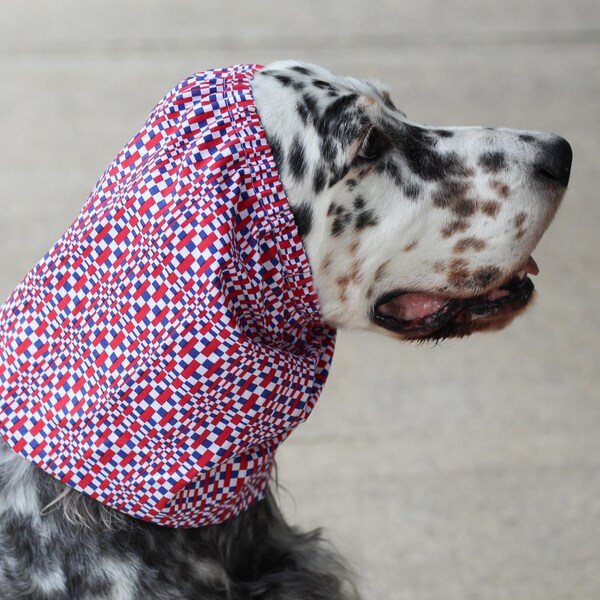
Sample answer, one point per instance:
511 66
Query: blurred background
466 470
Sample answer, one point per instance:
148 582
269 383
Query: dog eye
371 147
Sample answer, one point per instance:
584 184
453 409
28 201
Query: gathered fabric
165 346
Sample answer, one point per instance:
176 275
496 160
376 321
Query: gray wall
468 470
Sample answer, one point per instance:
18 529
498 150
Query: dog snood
159 353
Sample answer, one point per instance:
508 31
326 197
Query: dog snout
555 161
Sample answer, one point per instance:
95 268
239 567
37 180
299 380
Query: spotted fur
394 184
383 204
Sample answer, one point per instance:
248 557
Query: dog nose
556 159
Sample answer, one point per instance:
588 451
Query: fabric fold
164 347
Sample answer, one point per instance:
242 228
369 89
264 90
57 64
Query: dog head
423 231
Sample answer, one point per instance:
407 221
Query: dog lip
458 316
431 322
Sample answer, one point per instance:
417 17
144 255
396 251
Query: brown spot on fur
483 276
520 233
449 193
381 270
459 276
454 227
458 263
502 189
520 219
345 281
458 273
463 207
439 266
470 243
326 264
410 246
490 208
354 248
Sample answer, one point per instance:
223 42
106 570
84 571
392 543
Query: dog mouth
423 316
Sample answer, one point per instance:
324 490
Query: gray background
468 470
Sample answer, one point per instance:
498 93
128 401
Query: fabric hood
159 353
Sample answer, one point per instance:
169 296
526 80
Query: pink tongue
531 267
409 307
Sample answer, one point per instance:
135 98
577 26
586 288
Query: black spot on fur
338 173
359 202
338 227
435 165
492 162
336 113
301 69
329 150
323 85
392 170
277 151
526 138
20 530
312 106
285 80
303 215
418 145
366 218
342 220
412 190
443 133
320 180
420 137
351 184
297 159
332 209
303 112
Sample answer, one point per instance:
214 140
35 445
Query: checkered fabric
165 346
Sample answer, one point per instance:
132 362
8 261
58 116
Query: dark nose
555 161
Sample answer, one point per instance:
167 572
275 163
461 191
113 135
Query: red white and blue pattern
165 346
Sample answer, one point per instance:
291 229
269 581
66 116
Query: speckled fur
467 192
57 544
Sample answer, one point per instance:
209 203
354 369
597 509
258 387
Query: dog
418 232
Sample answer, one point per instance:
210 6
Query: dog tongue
409 307
531 267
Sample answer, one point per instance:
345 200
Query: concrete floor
466 471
